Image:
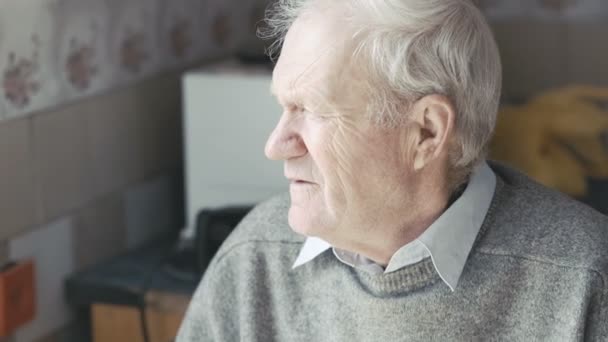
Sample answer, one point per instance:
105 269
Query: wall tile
161 123
62 160
223 26
28 62
532 54
51 248
179 28
587 52
115 140
61 50
153 209
99 231
3 252
83 56
132 39
2 108
19 204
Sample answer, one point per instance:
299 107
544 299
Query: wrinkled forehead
314 55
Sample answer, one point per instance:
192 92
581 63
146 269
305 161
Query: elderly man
400 230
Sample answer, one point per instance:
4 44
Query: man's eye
295 109
314 114
304 110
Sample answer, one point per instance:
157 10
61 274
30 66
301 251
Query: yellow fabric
556 137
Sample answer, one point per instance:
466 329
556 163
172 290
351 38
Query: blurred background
93 145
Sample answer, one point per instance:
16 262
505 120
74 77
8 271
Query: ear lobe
434 120
426 148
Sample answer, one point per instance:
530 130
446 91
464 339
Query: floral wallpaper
54 51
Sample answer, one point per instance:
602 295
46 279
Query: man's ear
433 119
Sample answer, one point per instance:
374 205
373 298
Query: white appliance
228 116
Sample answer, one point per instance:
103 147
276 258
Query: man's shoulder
266 223
530 220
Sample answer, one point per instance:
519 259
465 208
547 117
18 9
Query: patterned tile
28 63
81 45
51 248
179 28
99 231
224 27
132 39
72 48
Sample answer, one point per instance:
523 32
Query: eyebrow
282 96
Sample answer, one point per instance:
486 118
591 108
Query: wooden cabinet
118 323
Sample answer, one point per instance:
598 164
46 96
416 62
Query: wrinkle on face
358 168
324 81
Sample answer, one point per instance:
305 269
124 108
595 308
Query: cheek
344 166
368 166
329 167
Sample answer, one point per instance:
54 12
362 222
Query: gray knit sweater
537 272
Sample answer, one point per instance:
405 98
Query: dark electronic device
213 227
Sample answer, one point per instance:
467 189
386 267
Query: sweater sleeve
211 314
596 328
226 298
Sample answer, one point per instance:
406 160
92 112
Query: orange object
557 137
17 297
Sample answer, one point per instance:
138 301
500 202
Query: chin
297 222
303 222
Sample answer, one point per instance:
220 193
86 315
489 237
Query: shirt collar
312 248
448 240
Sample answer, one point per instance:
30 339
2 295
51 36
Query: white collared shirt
448 241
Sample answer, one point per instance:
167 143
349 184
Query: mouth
300 182
293 181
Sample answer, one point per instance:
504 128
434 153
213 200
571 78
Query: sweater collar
448 241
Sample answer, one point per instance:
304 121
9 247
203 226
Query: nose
285 142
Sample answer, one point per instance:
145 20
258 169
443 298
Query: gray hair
413 48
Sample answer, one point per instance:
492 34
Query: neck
408 230
395 228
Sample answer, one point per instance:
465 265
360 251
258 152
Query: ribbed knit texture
537 272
